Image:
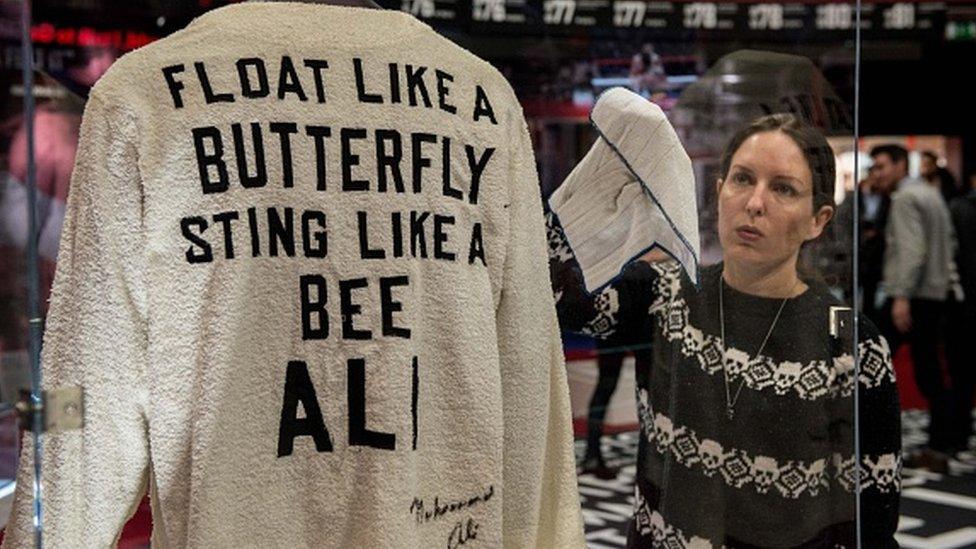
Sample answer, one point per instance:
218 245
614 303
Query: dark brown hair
816 151
895 152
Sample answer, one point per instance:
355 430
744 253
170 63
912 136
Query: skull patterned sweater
781 472
303 284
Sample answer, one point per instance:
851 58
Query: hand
655 255
901 314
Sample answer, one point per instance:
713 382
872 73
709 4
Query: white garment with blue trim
634 190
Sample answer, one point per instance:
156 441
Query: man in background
918 265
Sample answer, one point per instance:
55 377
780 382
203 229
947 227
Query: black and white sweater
782 472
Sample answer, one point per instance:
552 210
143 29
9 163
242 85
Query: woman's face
765 203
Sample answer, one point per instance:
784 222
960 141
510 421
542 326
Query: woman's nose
756 206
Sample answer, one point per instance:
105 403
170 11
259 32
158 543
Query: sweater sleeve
603 313
541 505
93 478
879 432
879 415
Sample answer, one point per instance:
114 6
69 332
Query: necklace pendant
729 412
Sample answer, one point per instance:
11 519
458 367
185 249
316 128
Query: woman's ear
718 186
819 221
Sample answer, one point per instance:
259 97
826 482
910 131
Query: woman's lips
749 234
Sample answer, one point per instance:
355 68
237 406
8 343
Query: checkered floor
937 511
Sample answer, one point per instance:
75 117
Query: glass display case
728 343
707 194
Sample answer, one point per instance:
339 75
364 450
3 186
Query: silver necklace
729 399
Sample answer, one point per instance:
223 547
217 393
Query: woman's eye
741 178
785 190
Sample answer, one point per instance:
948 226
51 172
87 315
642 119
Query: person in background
918 267
873 206
962 319
610 359
647 72
874 217
930 164
938 176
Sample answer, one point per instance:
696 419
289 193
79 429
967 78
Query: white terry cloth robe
633 191
307 306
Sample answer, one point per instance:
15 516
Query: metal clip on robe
841 328
62 409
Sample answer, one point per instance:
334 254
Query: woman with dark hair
747 409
